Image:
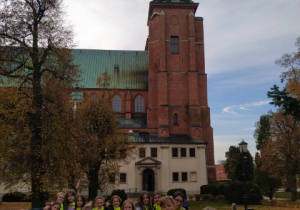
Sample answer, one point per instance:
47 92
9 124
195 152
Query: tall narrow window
174 44
116 103
183 152
139 104
184 177
153 152
175 177
175 119
192 152
174 152
123 178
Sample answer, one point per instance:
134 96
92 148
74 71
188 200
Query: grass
193 205
286 195
198 205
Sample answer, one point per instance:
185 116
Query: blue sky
242 41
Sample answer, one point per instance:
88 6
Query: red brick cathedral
161 98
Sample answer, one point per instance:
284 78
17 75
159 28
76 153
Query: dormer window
116 68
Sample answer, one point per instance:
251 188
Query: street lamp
243 150
243 147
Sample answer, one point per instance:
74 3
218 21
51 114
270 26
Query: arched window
175 119
116 103
139 104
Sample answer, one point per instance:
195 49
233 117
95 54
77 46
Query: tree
291 62
231 161
34 48
283 99
262 130
101 147
288 99
239 166
268 183
264 179
280 155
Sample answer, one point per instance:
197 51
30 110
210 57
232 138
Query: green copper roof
127 69
154 138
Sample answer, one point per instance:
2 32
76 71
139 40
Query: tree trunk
38 199
37 169
93 182
271 193
292 184
35 123
271 188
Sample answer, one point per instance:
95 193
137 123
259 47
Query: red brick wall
127 106
177 82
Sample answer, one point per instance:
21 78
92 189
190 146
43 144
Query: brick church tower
177 82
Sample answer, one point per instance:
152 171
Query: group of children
71 201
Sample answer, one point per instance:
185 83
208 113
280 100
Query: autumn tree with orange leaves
35 68
280 153
101 147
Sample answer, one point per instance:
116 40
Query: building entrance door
148 180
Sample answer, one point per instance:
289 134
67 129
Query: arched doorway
148 180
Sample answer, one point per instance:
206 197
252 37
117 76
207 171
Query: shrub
214 189
172 191
235 193
208 189
14 197
254 194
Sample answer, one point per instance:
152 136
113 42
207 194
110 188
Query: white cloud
243 107
229 111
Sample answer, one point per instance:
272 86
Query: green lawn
199 205
286 195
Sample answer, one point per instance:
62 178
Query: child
128 205
116 202
98 203
167 203
70 200
156 197
144 201
60 197
79 202
55 206
178 197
